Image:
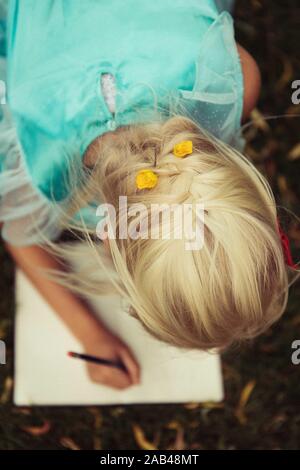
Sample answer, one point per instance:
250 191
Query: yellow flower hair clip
183 149
146 179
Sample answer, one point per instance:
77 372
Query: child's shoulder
252 81
54 74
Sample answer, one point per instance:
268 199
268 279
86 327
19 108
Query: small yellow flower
146 179
183 149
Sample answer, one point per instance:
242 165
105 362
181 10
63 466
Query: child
111 88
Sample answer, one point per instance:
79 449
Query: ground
261 409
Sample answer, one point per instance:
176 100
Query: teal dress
171 56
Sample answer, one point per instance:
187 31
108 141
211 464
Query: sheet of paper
45 375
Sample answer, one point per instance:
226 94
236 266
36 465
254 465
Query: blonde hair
233 288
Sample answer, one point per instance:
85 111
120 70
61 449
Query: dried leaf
141 439
7 388
117 411
256 4
207 405
285 191
246 392
294 153
250 134
173 425
192 406
253 154
97 426
37 430
3 329
245 395
282 184
22 411
68 443
179 442
258 121
287 74
211 405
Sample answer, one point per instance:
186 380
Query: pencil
98 360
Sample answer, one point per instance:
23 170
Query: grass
261 407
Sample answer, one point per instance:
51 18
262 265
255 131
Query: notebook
45 375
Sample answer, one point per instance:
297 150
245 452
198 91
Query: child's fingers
116 379
109 376
131 364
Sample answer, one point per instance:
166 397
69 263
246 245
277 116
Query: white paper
45 375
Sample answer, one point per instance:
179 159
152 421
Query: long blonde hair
233 288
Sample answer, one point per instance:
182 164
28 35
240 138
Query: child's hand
109 346
78 317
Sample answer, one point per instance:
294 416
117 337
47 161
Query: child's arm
252 81
94 336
